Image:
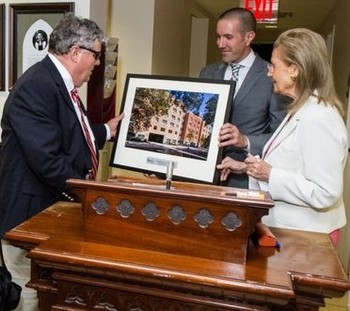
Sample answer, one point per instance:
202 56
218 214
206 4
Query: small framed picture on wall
30 28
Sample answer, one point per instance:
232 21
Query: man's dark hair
246 17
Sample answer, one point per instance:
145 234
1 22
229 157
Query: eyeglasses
97 54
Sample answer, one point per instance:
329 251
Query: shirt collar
249 60
67 78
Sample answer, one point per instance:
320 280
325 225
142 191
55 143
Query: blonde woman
302 164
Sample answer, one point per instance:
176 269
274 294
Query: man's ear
74 53
250 36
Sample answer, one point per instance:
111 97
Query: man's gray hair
73 30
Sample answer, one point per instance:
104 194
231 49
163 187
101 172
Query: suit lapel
258 68
219 72
59 81
63 91
287 126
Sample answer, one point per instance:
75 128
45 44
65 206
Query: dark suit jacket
256 110
42 145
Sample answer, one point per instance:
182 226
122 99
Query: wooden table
72 272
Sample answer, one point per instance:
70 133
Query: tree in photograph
191 100
148 103
210 109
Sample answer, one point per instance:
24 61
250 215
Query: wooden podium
132 245
188 219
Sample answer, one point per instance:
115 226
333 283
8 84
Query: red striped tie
91 145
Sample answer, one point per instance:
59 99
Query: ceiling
292 13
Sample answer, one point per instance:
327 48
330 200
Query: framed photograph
30 28
172 122
2 47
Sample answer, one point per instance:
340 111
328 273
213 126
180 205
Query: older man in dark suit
46 136
256 111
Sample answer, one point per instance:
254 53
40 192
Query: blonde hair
308 51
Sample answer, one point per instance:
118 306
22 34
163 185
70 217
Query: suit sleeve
100 134
277 112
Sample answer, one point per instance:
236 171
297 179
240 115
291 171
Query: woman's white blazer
308 154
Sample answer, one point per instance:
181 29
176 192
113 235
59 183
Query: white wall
173 38
199 43
341 68
171 44
132 22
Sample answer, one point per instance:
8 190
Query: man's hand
113 123
230 135
229 165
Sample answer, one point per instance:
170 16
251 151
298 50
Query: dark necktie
235 71
89 141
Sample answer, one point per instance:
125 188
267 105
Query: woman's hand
257 168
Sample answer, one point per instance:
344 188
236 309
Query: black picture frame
172 119
22 16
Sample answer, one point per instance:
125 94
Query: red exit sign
265 11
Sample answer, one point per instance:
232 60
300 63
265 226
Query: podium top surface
193 191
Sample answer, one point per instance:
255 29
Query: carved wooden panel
197 221
114 296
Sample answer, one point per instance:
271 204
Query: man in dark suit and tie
46 134
256 111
